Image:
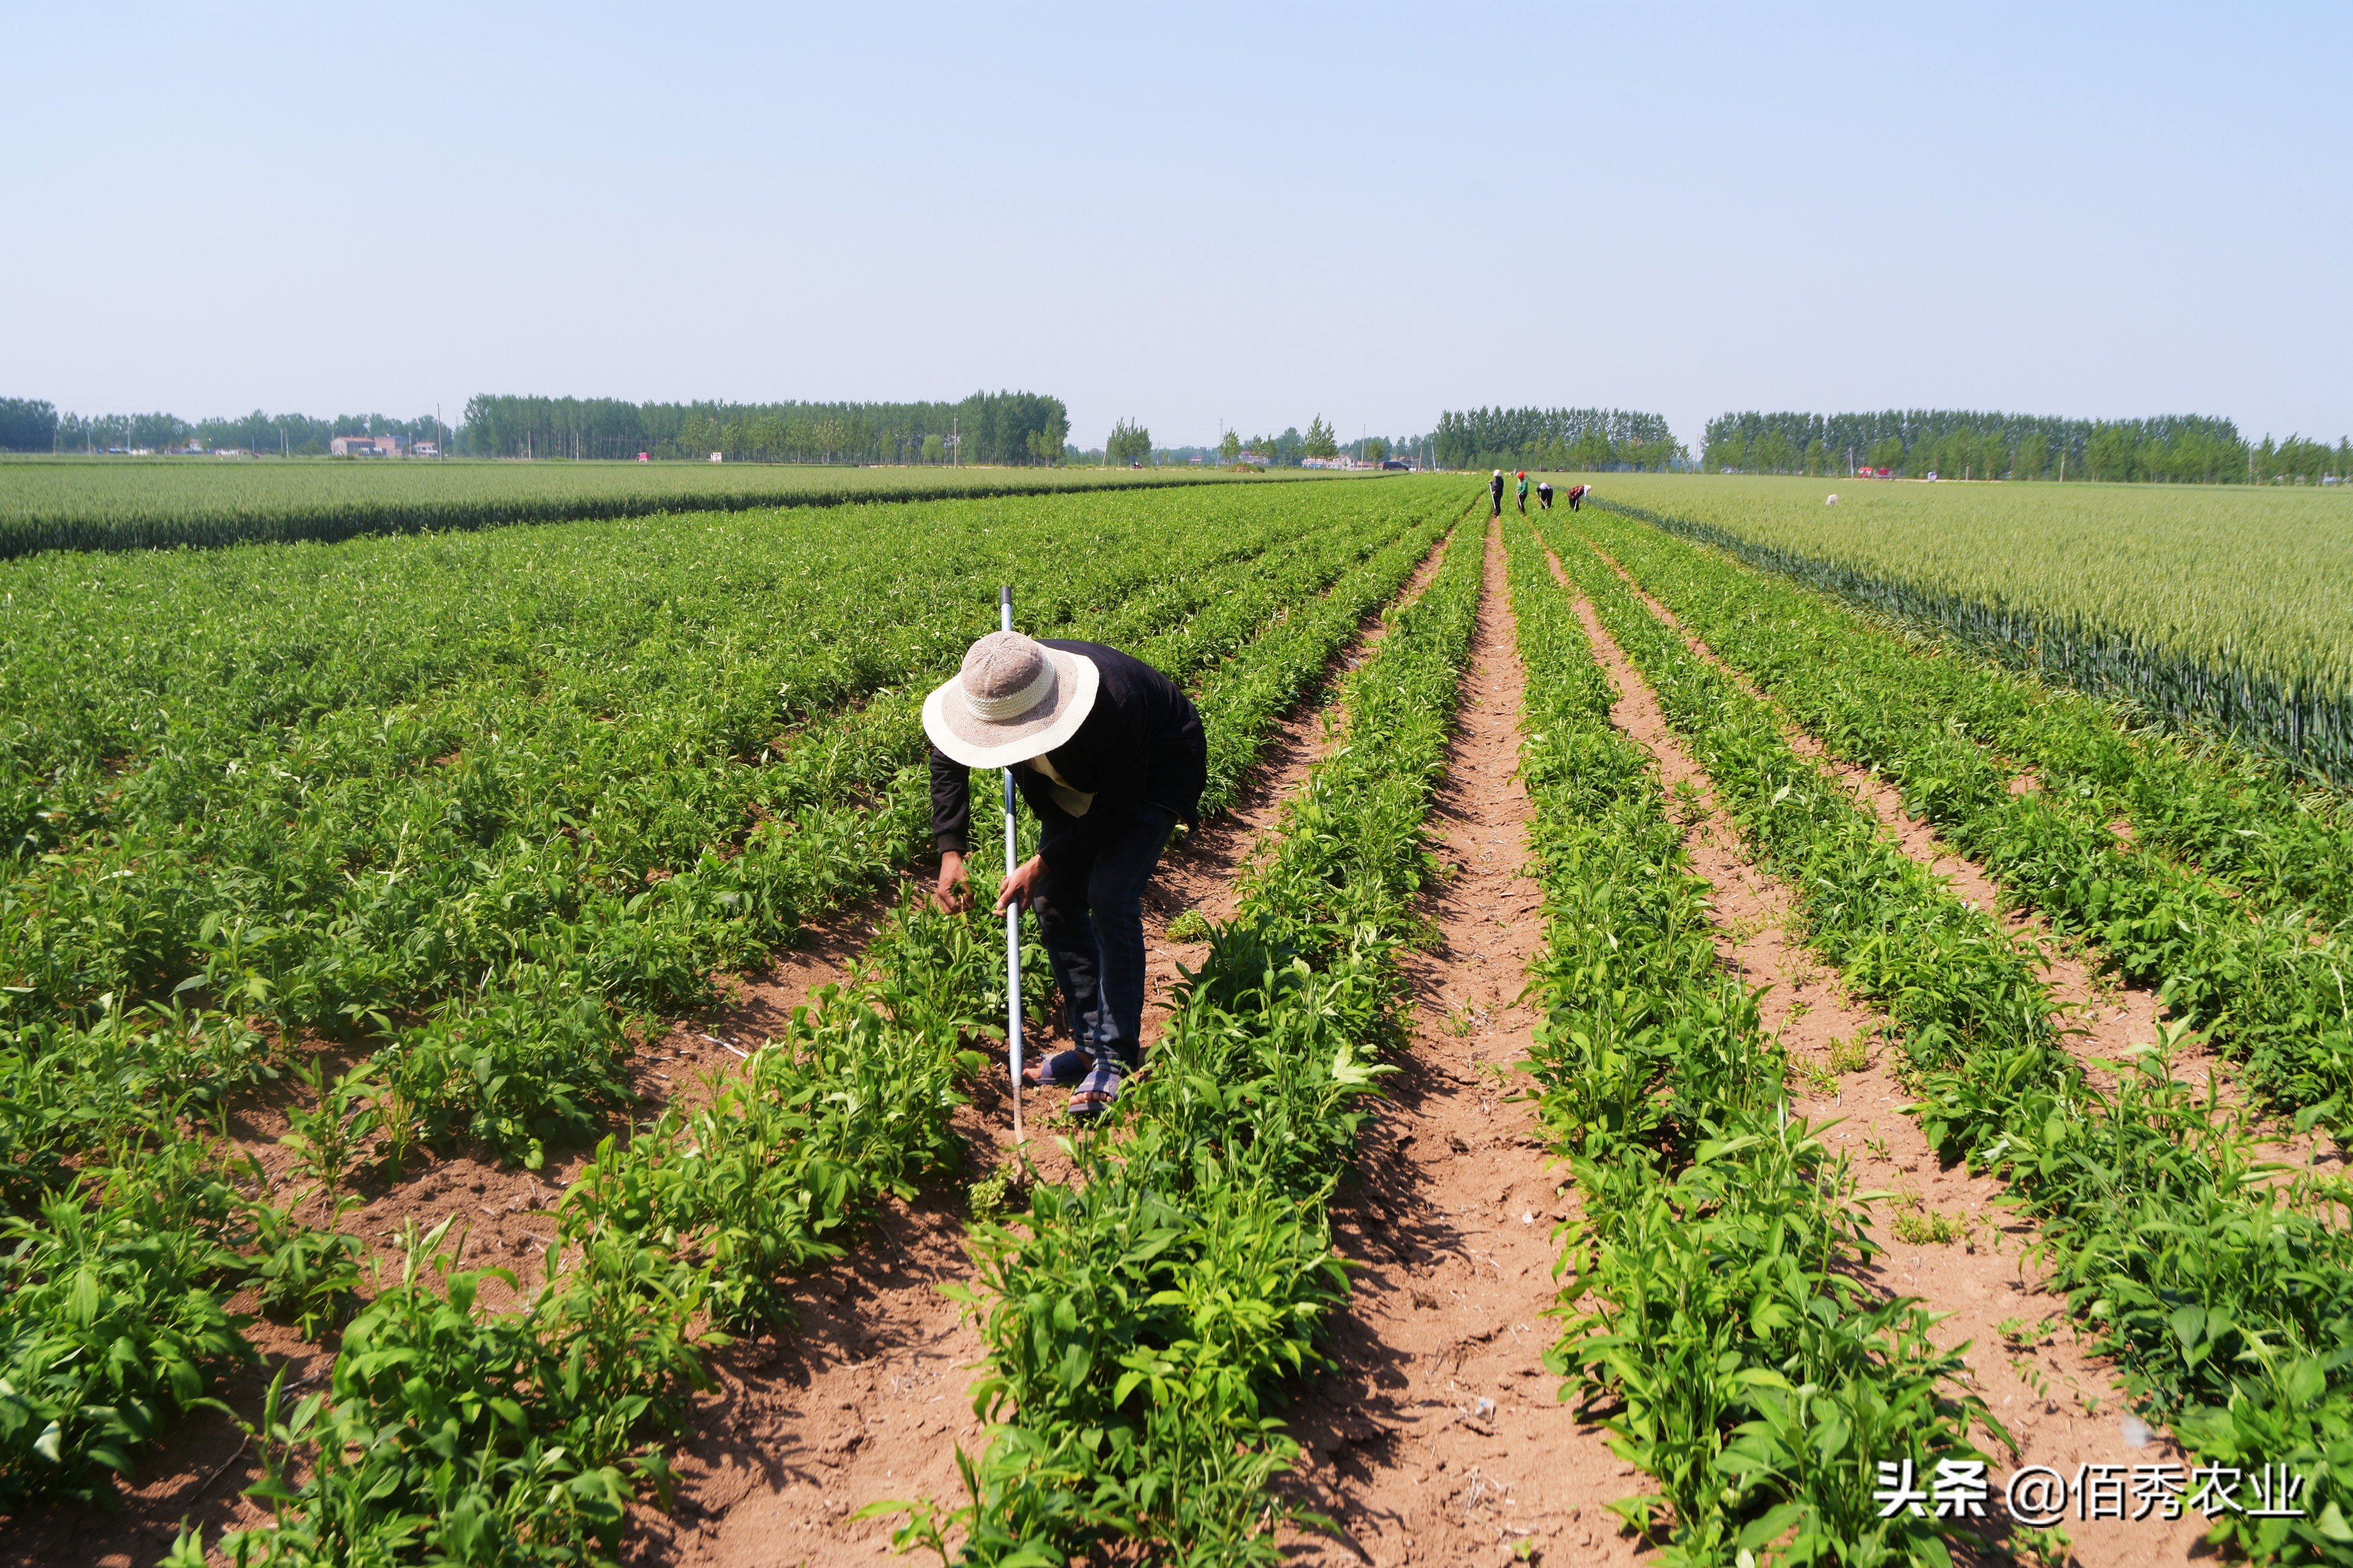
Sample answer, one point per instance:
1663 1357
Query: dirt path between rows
1438 1438
2103 1015
500 1220
869 1398
883 1295
2062 1405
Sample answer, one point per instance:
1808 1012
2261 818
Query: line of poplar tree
997 427
1004 427
34 425
1957 444
1557 439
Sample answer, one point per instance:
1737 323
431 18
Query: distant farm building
364 446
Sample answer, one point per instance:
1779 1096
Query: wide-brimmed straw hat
1014 700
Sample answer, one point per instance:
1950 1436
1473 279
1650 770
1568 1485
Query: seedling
1811 1077
1190 925
2043 1548
1922 1227
2020 1335
1850 1054
328 1134
993 1195
309 1278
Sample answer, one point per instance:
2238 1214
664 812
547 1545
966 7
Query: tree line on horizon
1557 438
1001 428
2178 448
1131 442
34 425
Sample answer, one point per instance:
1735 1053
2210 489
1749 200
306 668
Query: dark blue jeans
1091 914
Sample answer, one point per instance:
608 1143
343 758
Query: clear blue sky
1187 214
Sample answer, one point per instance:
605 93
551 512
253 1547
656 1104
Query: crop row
2222 1285
717 1204
2248 969
2230 812
411 747
520 888
120 506
2226 613
450 1432
1754 1377
1142 1322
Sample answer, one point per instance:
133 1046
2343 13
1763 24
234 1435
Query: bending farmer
1110 755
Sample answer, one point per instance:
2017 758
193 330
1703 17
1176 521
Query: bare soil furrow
869 1398
873 1327
499 1218
1438 1438
2103 1016
2062 1407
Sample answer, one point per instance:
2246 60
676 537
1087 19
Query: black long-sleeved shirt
1140 744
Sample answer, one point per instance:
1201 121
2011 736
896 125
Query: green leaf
1770 1526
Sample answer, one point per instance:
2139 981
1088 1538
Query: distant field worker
1576 493
1524 492
1544 495
1496 495
1109 753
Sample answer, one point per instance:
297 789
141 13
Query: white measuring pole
1012 910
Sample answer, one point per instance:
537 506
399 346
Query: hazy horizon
1193 216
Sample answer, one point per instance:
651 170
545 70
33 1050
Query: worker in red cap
1524 492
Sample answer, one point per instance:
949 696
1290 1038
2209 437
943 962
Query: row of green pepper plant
1715 1307
1144 1320
2242 963
506 1453
110 1326
478 853
2222 1286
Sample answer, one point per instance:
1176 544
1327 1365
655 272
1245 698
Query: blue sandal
1061 1068
1094 1097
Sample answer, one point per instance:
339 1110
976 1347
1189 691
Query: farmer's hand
1022 885
951 894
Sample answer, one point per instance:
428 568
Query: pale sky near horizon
1191 214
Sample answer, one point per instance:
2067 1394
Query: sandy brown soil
870 1400
2060 1407
498 1220
1202 872
2104 1015
1438 1438
874 1328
